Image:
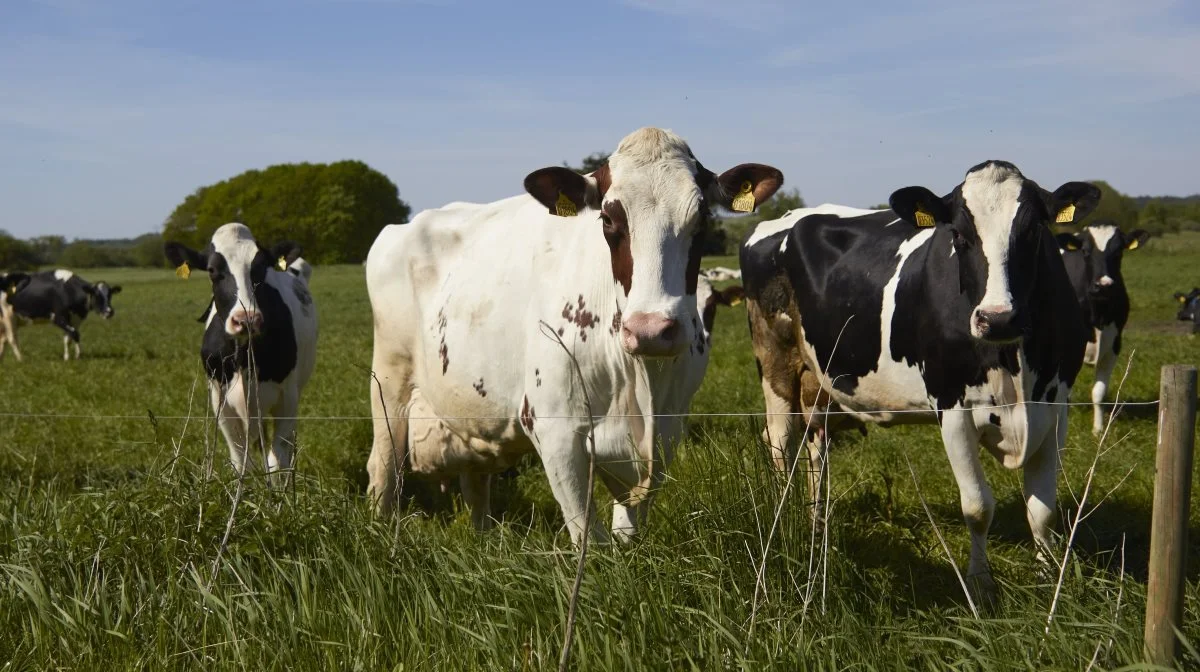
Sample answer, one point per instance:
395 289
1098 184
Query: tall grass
109 528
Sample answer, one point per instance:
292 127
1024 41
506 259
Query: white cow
468 302
260 338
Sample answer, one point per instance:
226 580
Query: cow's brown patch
537 377
479 388
615 327
528 417
603 181
580 316
616 233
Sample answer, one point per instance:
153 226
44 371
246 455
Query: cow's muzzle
652 335
996 324
245 322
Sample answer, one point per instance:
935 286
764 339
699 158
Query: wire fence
726 414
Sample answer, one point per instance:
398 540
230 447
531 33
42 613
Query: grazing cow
428 437
469 303
1189 308
955 310
10 284
720 274
1093 262
65 299
260 339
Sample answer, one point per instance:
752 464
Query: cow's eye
609 227
957 237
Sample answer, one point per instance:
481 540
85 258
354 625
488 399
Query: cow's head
101 298
1189 308
236 265
996 223
708 298
651 203
11 283
1102 245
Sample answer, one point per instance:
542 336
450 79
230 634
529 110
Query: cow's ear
1072 202
284 253
745 187
115 289
563 191
1068 241
1136 239
731 296
184 258
919 206
15 282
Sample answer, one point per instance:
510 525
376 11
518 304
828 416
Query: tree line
334 211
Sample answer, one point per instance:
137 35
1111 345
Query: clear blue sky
111 111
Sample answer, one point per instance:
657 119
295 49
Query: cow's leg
70 333
391 388
12 340
781 418
229 408
1040 484
962 447
477 495
562 447
818 466
283 444
1106 359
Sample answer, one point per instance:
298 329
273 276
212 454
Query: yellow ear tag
735 302
282 264
1134 244
924 219
1182 299
1066 215
183 271
564 206
744 201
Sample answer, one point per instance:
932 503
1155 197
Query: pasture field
109 526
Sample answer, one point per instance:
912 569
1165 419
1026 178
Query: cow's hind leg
961 439
390 390
477 495
1106 360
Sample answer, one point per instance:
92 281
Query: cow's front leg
961 439
283 445
230 413
1106 360
562 445
70 333
1040 486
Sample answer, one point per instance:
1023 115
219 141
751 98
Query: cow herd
574 322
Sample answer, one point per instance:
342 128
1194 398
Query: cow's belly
436 449
1009 428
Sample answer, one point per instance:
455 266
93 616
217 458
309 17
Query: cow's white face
237 265
998 222
653 200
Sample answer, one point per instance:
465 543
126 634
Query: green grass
107 541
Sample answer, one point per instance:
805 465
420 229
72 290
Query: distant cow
609 262
720 274
1189 308
954 309
10 284
1093 261
64 299
260 339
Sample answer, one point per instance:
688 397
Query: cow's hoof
984 592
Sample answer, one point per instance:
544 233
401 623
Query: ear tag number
924 219
1066 215
282 263
564 206
744 201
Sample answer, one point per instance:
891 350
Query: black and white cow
1093 261
953 310
260 339
64 299
10 283
1189 308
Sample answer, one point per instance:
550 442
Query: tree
1115 206
591 163
16 254
779 204
334 211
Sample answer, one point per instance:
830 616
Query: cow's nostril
670 331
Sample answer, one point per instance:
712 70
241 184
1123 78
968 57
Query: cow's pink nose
651 334
244 319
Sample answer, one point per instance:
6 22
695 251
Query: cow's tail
301 269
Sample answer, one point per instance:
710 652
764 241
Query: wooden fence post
1169 525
